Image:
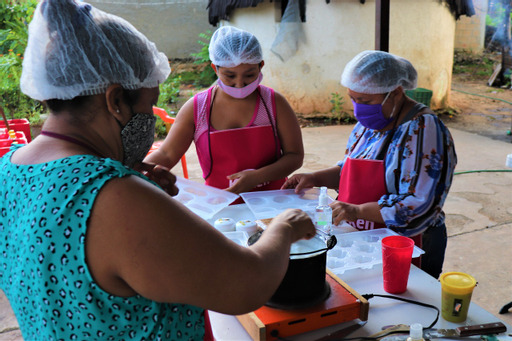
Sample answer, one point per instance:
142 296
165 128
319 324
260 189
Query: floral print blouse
419 165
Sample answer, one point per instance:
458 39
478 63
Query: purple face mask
371 116
241 92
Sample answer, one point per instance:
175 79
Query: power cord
369 296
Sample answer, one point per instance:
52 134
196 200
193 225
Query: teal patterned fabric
44 210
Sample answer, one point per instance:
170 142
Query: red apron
362 181
235 150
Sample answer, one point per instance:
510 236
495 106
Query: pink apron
235 150
362 181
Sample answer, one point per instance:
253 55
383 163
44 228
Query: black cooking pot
304 283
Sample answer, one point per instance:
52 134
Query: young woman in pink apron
399 161
247 136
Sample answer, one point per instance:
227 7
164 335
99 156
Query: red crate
6 141
19 124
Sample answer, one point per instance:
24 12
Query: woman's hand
243 181
300 181
343 211
300 223
159 174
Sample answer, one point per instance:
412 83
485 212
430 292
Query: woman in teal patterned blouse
90 249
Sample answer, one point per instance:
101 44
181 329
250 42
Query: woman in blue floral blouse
399 161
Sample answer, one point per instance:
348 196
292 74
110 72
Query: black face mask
137 137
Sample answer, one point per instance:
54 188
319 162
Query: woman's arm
142 241
329 177
178 139
425 156
422 152
290 138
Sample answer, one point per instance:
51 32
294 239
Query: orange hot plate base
343 304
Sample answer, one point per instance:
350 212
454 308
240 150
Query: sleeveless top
202 108
44 211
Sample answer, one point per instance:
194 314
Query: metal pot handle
330 241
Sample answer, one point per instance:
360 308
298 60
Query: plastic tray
238 237
201 199
235 212
268 204
362 249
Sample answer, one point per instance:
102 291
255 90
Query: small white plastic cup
508 163
415 332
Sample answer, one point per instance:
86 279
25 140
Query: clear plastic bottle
415 332
323 212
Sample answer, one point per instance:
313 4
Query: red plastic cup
396 263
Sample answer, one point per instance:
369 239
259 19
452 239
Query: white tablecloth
421 287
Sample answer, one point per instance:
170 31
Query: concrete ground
478 209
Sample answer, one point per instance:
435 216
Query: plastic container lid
248 226
457 282
225 224
323 199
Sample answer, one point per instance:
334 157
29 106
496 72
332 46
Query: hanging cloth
290 32
221 9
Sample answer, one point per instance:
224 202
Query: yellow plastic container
457 288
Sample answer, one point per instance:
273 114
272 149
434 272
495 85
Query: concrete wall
421 31
470 31
424 34
174 25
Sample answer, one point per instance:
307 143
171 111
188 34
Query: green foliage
169 91
495 14
447 113
160 128
169 94
477 65
203 55
337 112
207 76
13 40
13 26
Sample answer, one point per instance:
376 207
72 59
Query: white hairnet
75 50
230 47
378 72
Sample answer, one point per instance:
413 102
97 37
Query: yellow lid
457 282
